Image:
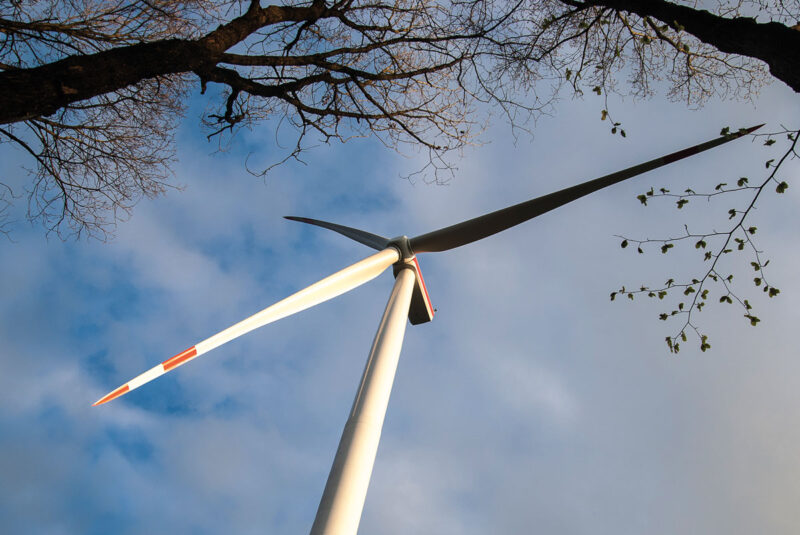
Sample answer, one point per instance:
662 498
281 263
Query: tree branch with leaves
714 282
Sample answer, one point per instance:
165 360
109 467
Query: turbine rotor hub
403 245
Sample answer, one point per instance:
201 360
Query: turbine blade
494 222
361 236
328 288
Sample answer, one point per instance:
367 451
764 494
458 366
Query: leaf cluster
689 297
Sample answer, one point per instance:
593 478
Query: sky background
530 404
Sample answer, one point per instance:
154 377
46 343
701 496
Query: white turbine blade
328 288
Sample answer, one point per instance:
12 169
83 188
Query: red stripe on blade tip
179 359
115 394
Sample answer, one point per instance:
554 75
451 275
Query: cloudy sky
531 404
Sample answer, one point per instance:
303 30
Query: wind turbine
342 500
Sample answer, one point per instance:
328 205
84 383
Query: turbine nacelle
421 309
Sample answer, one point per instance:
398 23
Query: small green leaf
666 247
683 336
769 142
756 266
742 181
753 320
597 89
707 256
613 295
681 203
622 132
670 282
603 113
726 299
769 162
642 199
773 292
661 294
688 290
752 230
725 131
663 317
782 187
720 186
639 250
732 213
757 281
624 244
700 244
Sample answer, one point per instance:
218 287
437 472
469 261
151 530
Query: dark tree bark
773 43
41 91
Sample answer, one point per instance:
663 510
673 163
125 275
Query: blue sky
531 402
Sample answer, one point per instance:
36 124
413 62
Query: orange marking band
179 359
115 394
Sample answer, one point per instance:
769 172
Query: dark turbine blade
361 236
486 225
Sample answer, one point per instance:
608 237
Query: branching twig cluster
91 90
714 282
